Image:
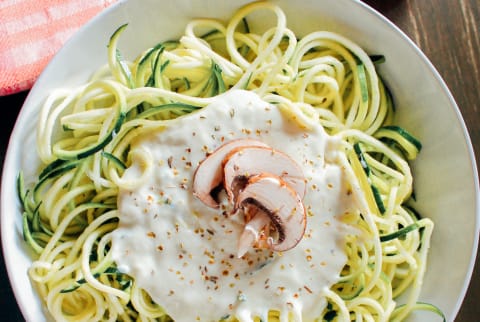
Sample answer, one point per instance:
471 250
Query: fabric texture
32 31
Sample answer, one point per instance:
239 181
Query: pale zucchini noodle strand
85 133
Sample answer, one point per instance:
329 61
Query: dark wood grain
448 32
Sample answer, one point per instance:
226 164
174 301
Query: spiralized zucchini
84 135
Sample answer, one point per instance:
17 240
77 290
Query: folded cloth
32 31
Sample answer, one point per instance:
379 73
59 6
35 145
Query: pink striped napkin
32 31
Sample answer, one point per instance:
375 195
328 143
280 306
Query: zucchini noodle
84 136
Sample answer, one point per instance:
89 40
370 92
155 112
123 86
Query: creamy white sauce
183 253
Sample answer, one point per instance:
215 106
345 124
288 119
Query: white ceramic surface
446 177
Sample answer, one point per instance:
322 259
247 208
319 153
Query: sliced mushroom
209 174
283 206
245 161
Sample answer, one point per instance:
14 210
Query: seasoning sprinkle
151 234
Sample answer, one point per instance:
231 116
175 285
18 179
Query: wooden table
448 31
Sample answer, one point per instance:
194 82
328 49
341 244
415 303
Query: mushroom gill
209 174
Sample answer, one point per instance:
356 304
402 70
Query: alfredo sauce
183 253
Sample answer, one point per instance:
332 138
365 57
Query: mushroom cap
245 161
281 203
209 173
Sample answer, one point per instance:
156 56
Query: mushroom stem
251 233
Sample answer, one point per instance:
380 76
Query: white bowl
446 183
